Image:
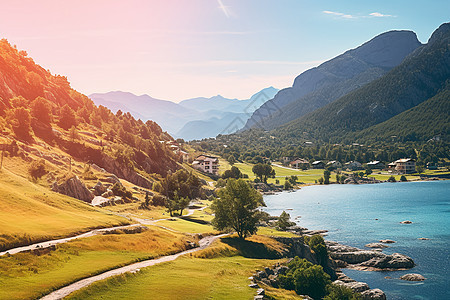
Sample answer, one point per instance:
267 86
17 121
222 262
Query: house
182 154
318 164
286 159
299 164
207 164
405 166
353 165
334 164
376 164
431 166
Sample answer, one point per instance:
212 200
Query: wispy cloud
342 15
379 15
349 16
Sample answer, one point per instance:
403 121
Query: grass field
184 278
186 226
30 212
25 275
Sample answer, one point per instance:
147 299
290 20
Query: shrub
159 200
120 190
403 178
340 292
305 278
317 244
320 180
37 169
392 179
287 185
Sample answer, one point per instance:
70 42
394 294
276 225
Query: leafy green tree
234 172
320 180
287 185
284 221
21 123
317 244
231 159
236 208
263 172
391 179
326 176
420 169
340 292
368 171
403 178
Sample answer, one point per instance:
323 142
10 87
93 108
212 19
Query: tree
420 169
326 176
263 171
283 221
236 208
234 172
21 123
320 180
67 117
41 110
287 185
73 133
403 178
231 159
368 171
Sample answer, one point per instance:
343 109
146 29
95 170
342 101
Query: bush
287 185
340 292
403 178
119 190
37 169
158 200
320 180
305 278
221 183
392 179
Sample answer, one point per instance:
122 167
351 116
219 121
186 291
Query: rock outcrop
368 259
374 294
412 277
113 166
75 188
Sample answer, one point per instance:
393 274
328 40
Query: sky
180 49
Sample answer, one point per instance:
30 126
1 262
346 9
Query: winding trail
47 244
67 290
64 240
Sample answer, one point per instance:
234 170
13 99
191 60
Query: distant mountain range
190 119
335 78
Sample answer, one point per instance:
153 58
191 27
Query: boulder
108 193
376 245
260 291
75 188
99 188
258 297
100 201
281 270
356 286
406 222
374 294
423 239
393 261
387 241
113 179
357 256
253 285
412 277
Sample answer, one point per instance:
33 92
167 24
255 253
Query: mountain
170 115
335 78
195 118
428 120
421 76
225 115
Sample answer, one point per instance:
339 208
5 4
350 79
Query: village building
299 164
405 166
207 164
334 164
285 160
376 164
353 165
318 164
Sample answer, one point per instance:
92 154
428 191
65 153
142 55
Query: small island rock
374 294
412 277
376 245
387 241
406 222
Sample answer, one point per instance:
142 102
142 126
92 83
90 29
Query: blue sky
180 49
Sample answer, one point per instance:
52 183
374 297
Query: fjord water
359 214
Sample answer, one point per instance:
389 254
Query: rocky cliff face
321 85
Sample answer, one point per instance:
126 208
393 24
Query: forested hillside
41 114
419 77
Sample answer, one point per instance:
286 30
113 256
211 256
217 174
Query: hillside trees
263 171
67 117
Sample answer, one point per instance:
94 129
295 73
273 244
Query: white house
353 165
334 164
405 166
207 164
375 164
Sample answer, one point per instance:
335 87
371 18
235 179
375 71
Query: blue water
349 212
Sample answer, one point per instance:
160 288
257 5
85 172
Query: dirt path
64 240
65 291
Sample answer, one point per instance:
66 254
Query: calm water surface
359 214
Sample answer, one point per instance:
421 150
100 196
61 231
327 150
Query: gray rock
99 188
387 241
412 277
108 193
423 239
406 222
258 297
354 285
268 271
260 292
374 294
253 285
260 275
281 270
393 261
357 256
75 188
376 245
